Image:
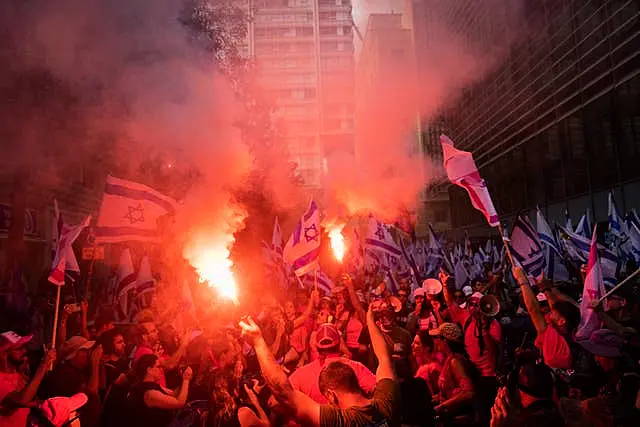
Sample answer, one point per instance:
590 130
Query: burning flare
211 261
337 242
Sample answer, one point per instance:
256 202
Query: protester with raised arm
555 331
338 383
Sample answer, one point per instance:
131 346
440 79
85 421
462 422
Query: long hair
223 405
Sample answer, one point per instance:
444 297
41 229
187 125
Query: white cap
467 290
419 292
541 297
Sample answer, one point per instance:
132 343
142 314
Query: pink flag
593 291
64 236
462 171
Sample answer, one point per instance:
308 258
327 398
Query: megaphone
432 286
489 305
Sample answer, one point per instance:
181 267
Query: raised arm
452 305
355 302
307 312
530 300
380 348
157 399
173 361
305 409
84 308
62 327
28 393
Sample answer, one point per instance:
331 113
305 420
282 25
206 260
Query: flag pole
631 276
315 279
55 318
506 246
87 284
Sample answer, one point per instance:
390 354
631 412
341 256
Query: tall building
558 124
304 54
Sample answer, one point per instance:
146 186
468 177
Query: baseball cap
10 339
448 331
536 380
475 297
59 409
605 343
419 292
467 290
327 336
75 344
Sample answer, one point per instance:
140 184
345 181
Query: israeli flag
379 238
577 248
303 247
616 223
527 249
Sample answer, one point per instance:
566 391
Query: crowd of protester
487 354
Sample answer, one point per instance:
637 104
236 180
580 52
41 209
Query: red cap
327 336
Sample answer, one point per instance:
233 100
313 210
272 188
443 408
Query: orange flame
337 242
211 261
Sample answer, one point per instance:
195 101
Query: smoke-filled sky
133 76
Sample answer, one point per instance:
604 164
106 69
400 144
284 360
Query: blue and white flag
302 251
634 241
325 284
145 284
578 247
569 225
584 225
130 211
526 248
379 238
617 225
547 236
435 255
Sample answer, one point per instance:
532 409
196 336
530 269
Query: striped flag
145 284
379 238
325 284
303 247
64 258
617 225
546 235
130 211
125 285
578 249
462 171
526 248
593 290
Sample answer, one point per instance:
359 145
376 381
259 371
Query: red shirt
10 382
305 379
554 348
486 360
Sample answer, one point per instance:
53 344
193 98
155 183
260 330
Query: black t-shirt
113 369
143 415
383 411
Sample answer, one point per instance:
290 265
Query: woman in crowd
429 363
456 398
153 405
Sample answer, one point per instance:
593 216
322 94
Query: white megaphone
432 286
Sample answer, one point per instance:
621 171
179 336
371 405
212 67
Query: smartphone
73 308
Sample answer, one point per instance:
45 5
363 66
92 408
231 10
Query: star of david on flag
303 247
130 211
379 238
